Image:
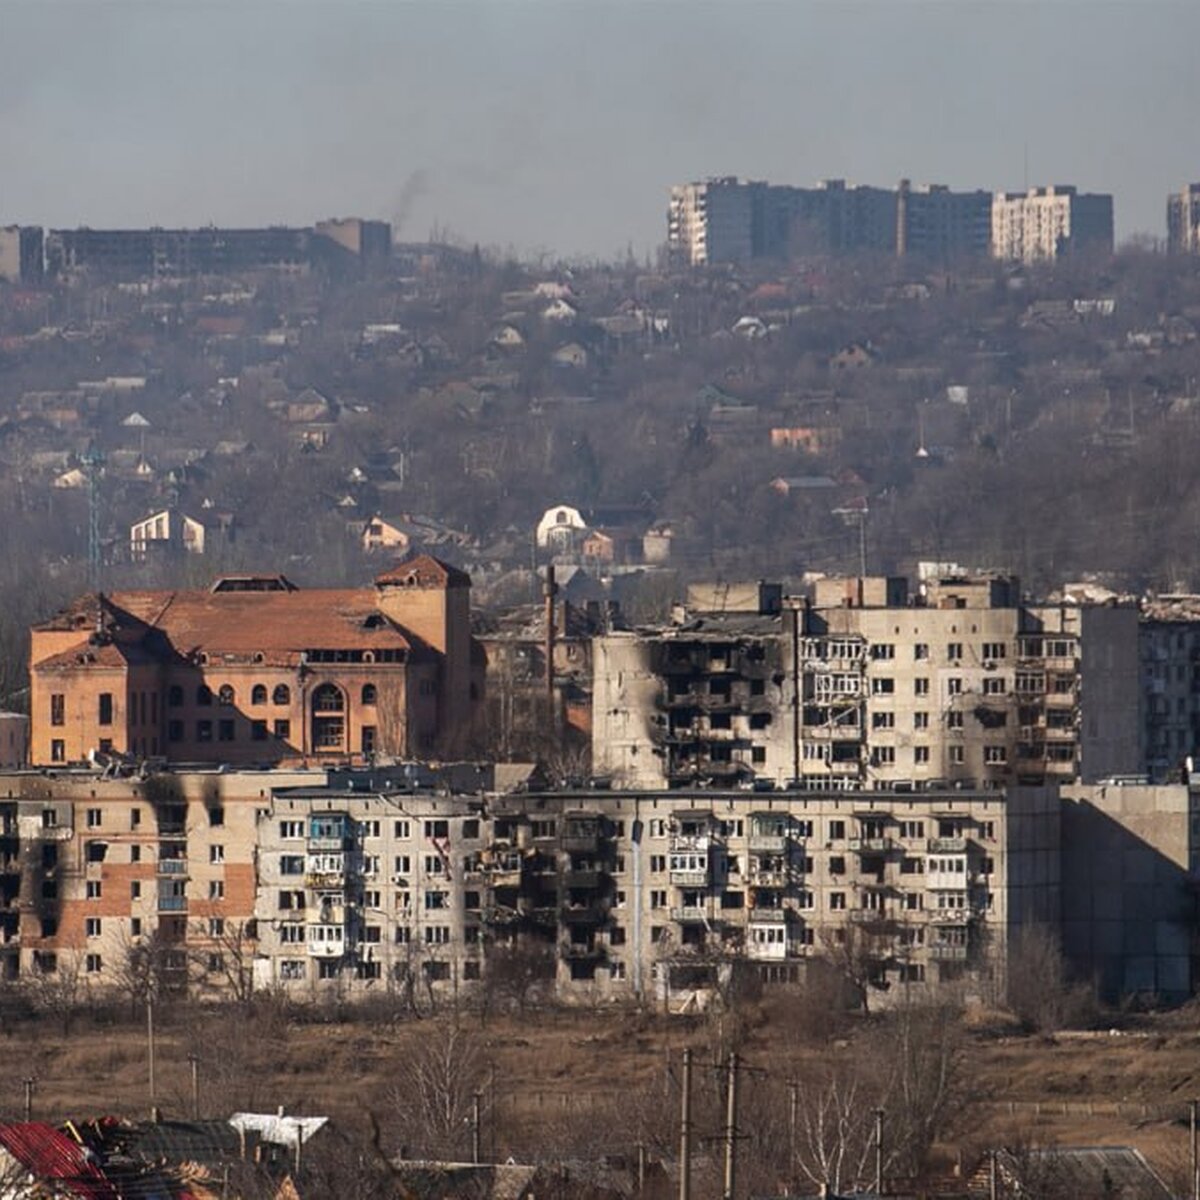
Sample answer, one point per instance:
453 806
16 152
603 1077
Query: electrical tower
92 462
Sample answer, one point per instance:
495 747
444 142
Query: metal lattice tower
92 461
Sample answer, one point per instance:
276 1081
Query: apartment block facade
1183 221
862 685
730 220
1046 223
220 882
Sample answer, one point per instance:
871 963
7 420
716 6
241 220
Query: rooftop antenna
92 461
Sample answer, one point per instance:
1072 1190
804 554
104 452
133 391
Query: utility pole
1195 1155
992 1175
879 1152
685 1131
150 1056
731 1128
29 1099
475 1128
793 1106
194 1059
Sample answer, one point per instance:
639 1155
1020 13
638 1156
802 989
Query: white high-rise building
1045 223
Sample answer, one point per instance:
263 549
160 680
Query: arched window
175 696
258 694
328 718
225 696
368 693
282 694
203 695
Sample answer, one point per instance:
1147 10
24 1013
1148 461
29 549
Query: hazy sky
560 125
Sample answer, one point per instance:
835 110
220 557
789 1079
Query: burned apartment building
430 890
639 895
528 713
121 884
864 684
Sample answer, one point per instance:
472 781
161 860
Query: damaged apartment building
866 684
216 882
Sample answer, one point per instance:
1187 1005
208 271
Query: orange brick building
255 671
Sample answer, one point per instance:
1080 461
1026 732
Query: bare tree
1038 990
858 952
227 958
514 972
433 1090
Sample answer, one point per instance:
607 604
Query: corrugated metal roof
49 1154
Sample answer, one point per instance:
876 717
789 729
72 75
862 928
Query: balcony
581 952
326 941
838 733
172 904
870 916
768 916
690 841
948 845
584 878
325 881
768 843
769 878
874 845
690 914
583 914
943 953
697 879
173 866
320 845
581 841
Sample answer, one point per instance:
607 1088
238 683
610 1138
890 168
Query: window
282 694
370 829
283 730
437 935
258 694
995 755
203 695
403 935
883 687
174 731
436 900
135 889
994 650
225 696
291 968
58 709
204 731
403 864
291 864
291 934
837 830
400 829
93 964
368 693
441 829
994 687
95 818
883 756
921 755
92 927
58 750
921 686
216 854
920 651
135 927
954 651
758 754
954 720
216 926
837 901
883 720
225 731
93 889
658 898
882 651
258 731
291 901
106 708
954 685
135 854
957 756
175 696
368 739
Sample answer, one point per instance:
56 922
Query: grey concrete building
1129 887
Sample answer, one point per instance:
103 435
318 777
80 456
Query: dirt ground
1121 1088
